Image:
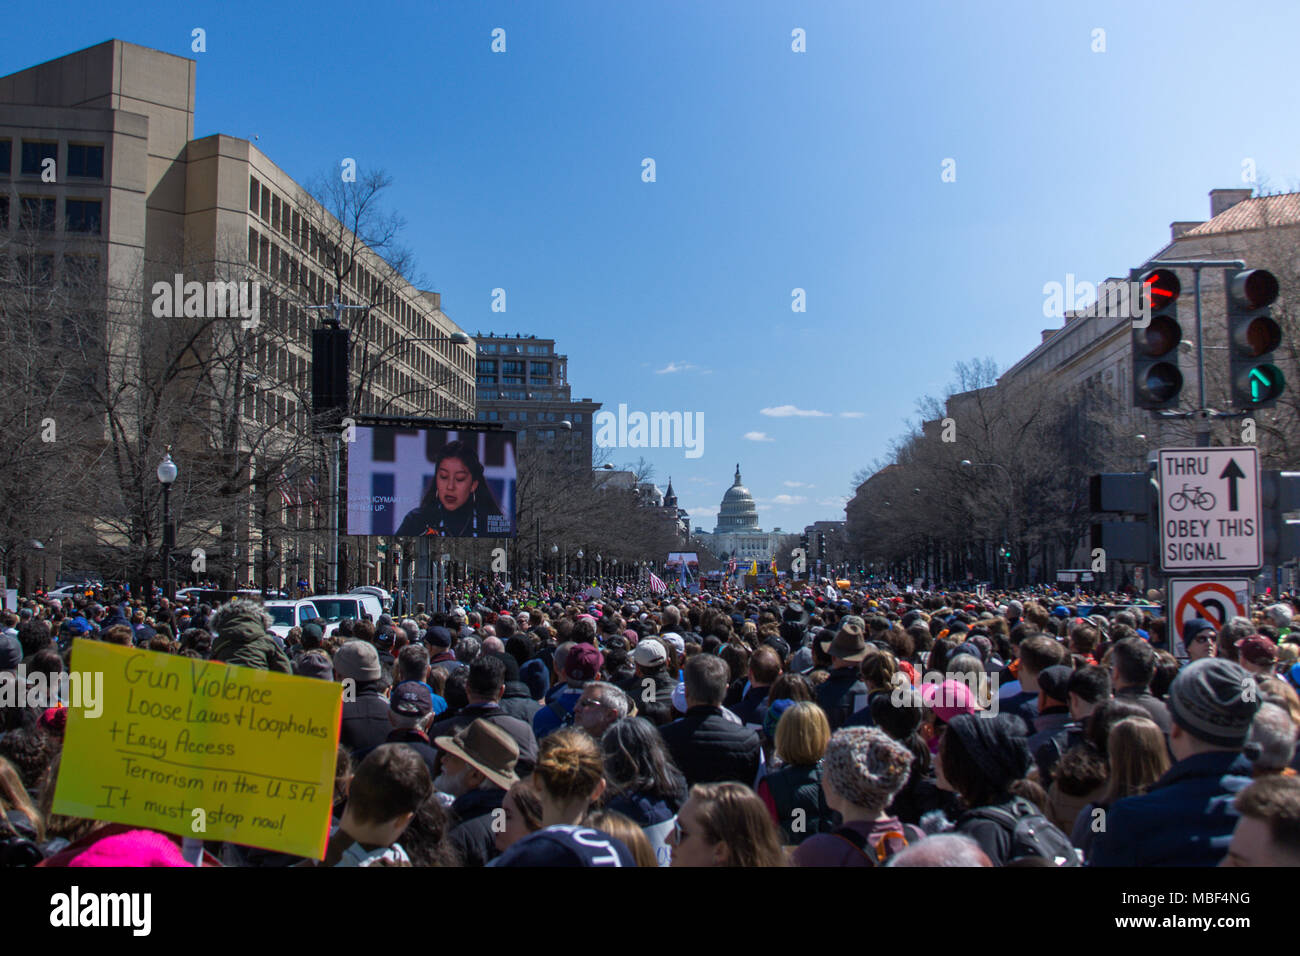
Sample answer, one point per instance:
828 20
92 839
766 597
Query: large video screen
411 482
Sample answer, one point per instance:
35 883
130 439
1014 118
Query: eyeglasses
585 703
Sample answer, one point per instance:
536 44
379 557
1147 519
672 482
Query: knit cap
1208 700
866 766
995 744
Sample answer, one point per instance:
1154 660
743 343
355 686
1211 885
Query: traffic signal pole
1202 414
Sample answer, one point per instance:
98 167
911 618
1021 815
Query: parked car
336 607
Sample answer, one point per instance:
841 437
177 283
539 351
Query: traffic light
1124 494
330 346
1156 378
1253 334
1279 496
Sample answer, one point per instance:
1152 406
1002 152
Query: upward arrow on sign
1232 471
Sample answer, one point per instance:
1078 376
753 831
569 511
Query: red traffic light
1161 288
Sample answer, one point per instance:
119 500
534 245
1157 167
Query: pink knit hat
133 848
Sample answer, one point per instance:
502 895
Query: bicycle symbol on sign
1194 496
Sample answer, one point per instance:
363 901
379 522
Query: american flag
657 586
618 592
286 489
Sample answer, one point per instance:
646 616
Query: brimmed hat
583 662
849 644
1257 649
487 748
314 664
650 653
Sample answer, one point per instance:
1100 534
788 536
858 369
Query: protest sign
202 749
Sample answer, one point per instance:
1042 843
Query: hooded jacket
242 640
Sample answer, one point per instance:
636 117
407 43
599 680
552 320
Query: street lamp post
579 565
167 472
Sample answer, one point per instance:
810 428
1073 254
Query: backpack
1032 834
885 847
566 716
791 791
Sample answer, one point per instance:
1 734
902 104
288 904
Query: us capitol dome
737 534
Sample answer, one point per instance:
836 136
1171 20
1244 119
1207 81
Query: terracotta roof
1261 213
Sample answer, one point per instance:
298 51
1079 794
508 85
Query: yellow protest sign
201 749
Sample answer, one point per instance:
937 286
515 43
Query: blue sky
775 170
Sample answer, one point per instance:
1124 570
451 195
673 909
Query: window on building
35 155
86 161
82 215
80 272
512 380
539 369
487 368
254 194
37 213
5 147
512 368
577 416
4 212
252 246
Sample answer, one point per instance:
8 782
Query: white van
335 607
289 614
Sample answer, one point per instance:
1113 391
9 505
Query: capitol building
737 534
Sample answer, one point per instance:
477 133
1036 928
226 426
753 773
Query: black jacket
413 739
365 721
472 836
842 694
709 748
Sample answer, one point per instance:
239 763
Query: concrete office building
136 198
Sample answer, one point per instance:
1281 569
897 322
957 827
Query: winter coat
1186 818
709 748
243 642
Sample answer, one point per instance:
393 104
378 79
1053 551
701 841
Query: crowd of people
864 728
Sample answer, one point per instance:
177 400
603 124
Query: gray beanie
1209 700
866 766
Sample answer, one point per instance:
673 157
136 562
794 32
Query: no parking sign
1218 601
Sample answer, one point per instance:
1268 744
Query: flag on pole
286 489
753 567
657 586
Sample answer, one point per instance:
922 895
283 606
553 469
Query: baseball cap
948 699
314 664
411 698
673 640
650 653
583 662
358 660
438 637
1257 649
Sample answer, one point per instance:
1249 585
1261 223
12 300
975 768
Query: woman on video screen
459 503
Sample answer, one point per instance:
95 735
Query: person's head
764 667
119 634
479 756
1268 831
599 706
413 663
626 831
1087 689
487 680
1036 655
706 681
569 776
1272 740
1132 664
14 798
1231 634
1211 705
1200 638
1084 639
522 815
982 757
459 475
802 734
1138 757
941 849
864 768
637 761
385 792
725 824
1257 654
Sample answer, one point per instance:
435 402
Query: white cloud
853 414
796 484
792 411
757 436
789 500
702 481
674 367
833 502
